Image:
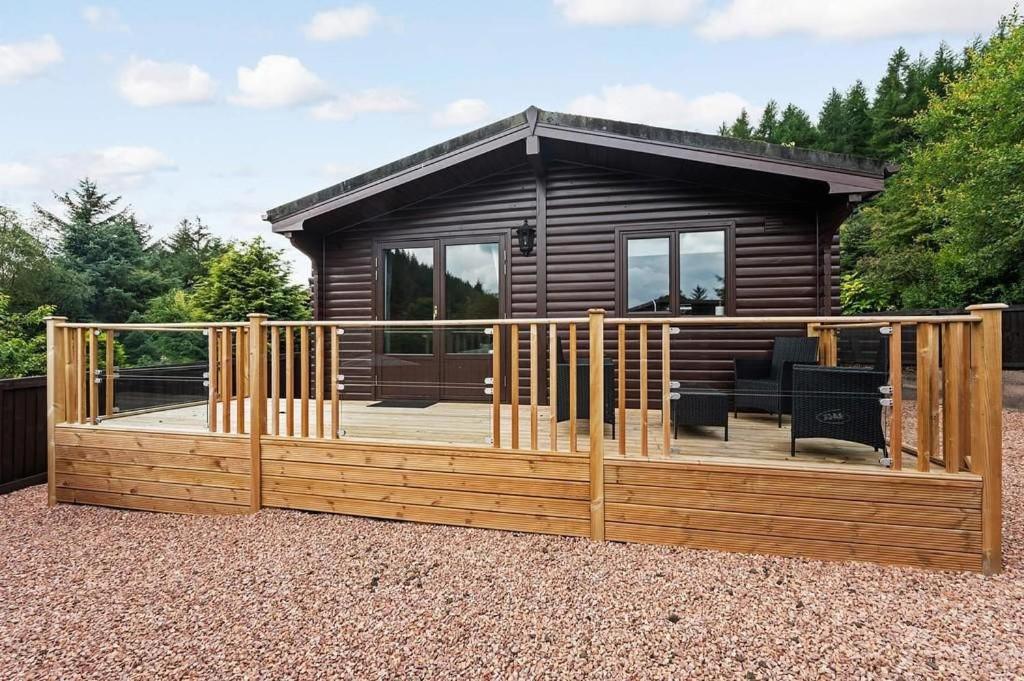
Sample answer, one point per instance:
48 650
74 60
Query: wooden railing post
55 396
257 403
596 335
986 425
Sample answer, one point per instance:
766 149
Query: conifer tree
857 121
796 129
767 129
830 122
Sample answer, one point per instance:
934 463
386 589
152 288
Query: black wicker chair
583 389
765 384
840 403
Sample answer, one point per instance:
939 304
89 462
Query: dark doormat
404 404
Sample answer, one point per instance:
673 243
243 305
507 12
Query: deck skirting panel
167 472
922 521
525 492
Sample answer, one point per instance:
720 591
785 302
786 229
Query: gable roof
843 173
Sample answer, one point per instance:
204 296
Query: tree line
949 228
92 260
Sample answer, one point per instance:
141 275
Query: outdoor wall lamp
527 236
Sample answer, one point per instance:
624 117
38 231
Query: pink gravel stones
98 593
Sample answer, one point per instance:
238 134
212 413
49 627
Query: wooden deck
753 438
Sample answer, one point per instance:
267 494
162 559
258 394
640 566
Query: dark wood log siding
491 205
778 266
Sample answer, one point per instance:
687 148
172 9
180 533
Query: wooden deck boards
753 438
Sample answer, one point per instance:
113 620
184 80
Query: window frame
625 233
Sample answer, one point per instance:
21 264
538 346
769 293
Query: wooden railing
254 366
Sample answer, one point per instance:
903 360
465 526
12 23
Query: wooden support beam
986 400
225 379
94 387
596 336
513 343
955 366
80 376
496 386
553 386
304 381
318 382
289 380
643 391
335 373
895 351
534 375
275 381
109 369
70 374
927 395
621 392
241 352
666 391
573 444
212 369
56 393
257 404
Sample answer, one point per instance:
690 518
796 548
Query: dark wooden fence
22 432
23 413
858 346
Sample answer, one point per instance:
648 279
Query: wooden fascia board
294 222
839 182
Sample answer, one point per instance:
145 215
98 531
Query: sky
223 110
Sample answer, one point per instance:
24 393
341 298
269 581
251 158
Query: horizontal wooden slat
406 459
428 514
154 473
427 497
140 503
772 504
774 526
175 443
886 488
145 488
555 489
226 464
810 548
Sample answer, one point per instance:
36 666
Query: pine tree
184 256
857 121
767 129
104 248
796 129
741 127
830 122
888 132
944 67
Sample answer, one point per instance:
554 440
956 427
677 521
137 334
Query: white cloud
150 83
647 104
850 20
626 12
29 58
18 175
278 81
127 164
462 112
342 22
103 18
375 100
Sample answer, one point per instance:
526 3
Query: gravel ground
97 593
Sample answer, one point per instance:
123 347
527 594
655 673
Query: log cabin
550 214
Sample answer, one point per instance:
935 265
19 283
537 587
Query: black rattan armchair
765 384
583 389
840 403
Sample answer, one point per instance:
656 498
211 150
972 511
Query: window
692 282
409 294
702 273
471 291
648 280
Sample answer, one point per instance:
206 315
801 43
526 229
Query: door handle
435 312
